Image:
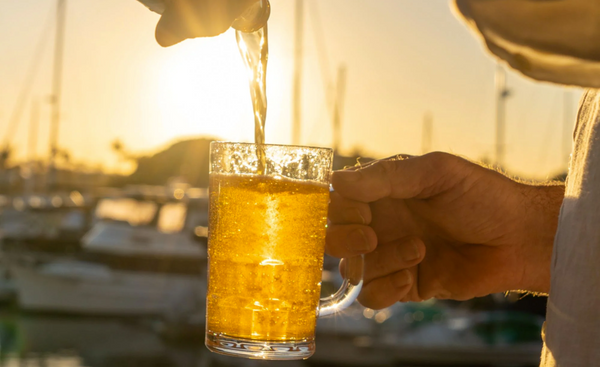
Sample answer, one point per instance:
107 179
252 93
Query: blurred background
104 165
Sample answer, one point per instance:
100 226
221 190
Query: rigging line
322 53
17 111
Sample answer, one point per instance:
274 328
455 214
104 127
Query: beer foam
245 176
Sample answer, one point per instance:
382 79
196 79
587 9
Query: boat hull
71 288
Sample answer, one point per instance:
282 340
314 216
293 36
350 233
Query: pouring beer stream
254 48
267 236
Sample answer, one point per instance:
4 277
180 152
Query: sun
203 90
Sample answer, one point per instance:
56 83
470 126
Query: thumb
402 178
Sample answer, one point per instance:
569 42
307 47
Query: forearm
539 225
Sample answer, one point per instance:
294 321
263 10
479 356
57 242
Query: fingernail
349 176
408 252
352 215
401 279
358 241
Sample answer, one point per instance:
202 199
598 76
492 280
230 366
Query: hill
188 160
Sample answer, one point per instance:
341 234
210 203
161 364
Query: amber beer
266 244
266 238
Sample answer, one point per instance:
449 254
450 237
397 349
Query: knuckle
388 171
446 162
384 172
388 168
438 158
441 171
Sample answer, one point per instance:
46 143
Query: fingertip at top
168 32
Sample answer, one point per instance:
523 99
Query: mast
338 107
61 8
502 93
34 123
297 92
427 137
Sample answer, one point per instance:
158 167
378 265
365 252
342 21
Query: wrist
541 208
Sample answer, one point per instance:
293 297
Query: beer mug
268 219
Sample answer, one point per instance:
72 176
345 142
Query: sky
404 59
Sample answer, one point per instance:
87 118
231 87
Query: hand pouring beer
183 19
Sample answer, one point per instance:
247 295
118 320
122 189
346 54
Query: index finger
400 178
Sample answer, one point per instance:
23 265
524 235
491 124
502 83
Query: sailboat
146 255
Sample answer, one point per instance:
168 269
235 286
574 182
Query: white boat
151 265
45 222
88 288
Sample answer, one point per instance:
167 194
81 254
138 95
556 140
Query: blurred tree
187 159
119 148
5 156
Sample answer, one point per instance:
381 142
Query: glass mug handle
350 289
346 295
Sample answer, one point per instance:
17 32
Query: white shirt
572 330
559 41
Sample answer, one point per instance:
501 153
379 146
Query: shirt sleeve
548 40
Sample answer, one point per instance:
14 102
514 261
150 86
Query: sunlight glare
204 91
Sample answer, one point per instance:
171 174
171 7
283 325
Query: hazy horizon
403 58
